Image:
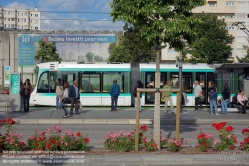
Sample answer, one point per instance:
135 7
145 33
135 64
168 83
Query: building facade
230 10
19 19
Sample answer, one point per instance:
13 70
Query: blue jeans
64 109
58 103
213 104
114 103
224 106
135 103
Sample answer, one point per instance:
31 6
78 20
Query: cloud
17 5
103 5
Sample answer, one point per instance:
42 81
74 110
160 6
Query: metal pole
178 107
180 80
2 76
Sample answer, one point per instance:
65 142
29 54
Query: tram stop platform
124 115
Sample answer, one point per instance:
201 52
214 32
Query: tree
98 58
89 56
160 22
244 59
130 48
46 52
212 42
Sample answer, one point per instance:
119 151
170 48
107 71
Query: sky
94 20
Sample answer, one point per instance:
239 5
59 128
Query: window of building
241 15
43 82
230 3
90 82
230 28
26 27
212 3
8 12
13 26
5 25
36 21
30 21
228 16
1 25
36 15
12 19
26 13
108 77
18 20
186 81
8 25
171 50
31 14
21 13
8 19
13 12
36 28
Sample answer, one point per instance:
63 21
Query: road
96 132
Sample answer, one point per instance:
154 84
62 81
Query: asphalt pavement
124 115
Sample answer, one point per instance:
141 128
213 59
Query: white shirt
65 93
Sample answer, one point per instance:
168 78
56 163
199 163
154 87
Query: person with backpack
225 97
213 101
25 91
114 92
139 85
59 93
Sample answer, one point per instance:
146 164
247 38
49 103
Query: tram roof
232 68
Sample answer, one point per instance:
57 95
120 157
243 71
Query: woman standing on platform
64 97
26 90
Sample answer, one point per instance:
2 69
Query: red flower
232 147
9 121
245 130
214 124
48 146
23 144
58 143
78 134
144 128
43 133
86 140
39 149
52 141
229 128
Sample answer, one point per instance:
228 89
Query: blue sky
47 22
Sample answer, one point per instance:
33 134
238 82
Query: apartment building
19 19
230 10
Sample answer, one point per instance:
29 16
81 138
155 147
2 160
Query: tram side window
241 82
90 82
109 77
186 81
43 86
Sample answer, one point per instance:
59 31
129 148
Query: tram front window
43 83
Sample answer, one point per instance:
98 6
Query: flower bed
49 141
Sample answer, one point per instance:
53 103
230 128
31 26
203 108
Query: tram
95 81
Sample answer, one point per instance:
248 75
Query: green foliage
97 58
89 56
244 59
212 42
130 48
158 21
46 52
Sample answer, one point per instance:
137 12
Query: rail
4 101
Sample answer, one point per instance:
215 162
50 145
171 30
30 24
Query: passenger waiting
242 100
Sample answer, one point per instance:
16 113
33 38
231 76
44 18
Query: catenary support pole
178 115
137 121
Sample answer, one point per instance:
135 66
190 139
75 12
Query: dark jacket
115 90
25 91
225 94
72 93
212 95
135 91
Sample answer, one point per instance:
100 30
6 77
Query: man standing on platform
168 97
114 92
75 96
197 93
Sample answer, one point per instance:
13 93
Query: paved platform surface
126 115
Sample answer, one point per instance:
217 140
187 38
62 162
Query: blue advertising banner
71 47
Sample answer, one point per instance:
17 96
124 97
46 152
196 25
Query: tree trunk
156 131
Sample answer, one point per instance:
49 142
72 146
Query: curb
127 121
